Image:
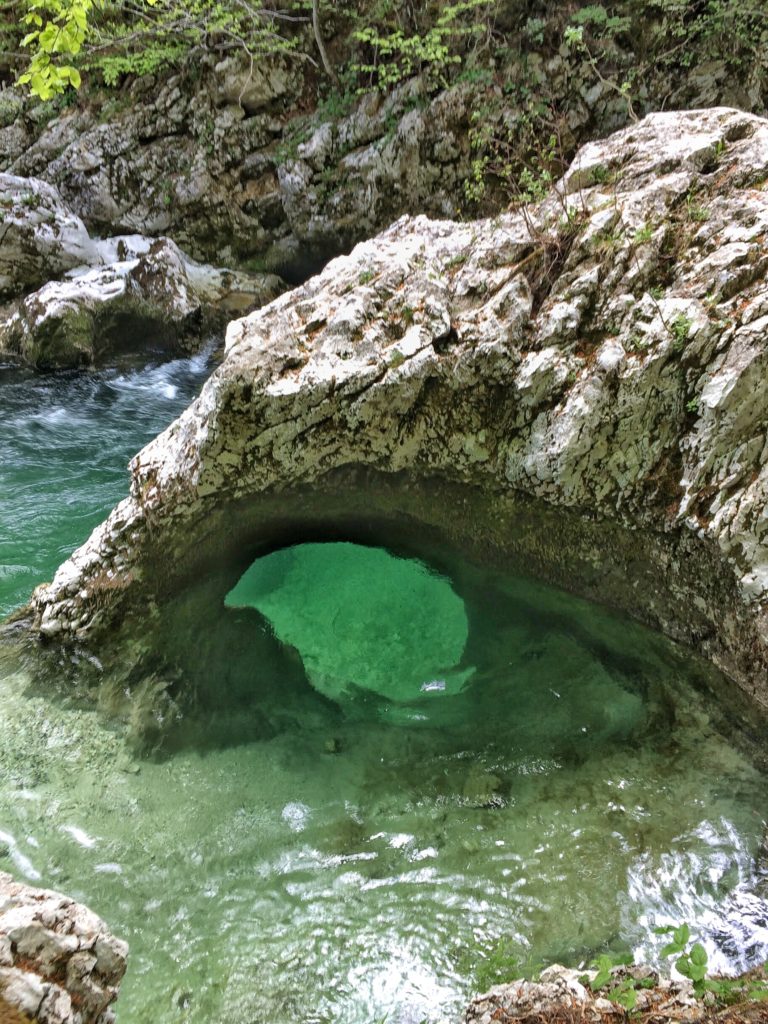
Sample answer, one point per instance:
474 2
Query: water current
543 779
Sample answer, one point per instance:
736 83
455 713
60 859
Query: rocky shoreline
73 300
59 963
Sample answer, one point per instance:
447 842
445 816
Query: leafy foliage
396 56
117 37
57 28
690 960
626 45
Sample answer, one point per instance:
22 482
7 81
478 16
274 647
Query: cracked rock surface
594 368
59 963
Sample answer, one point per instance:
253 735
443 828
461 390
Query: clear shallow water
346 862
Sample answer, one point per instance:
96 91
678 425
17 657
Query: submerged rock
59 963
579 389
128 292
393 624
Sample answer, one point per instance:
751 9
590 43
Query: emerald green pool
379 838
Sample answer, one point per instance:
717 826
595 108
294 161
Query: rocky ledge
59 963
578 388
75 300
562 996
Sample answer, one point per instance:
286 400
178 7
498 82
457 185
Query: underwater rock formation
112 294
578 387
59 963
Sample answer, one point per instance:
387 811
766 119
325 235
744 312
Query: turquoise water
364 850
362 619
64 448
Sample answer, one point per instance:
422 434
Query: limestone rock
580 387
129 292
207 162
257 85
41 237
208 153
59 963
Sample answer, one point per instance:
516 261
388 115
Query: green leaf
628 999
682 934
683 964
698 955
671 949
697 972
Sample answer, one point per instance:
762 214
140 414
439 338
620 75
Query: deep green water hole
439 758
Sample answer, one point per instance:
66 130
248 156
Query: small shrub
680 328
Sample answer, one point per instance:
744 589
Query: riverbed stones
59 963
580 387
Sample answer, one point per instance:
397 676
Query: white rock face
41 237
129 284
59 963
600 359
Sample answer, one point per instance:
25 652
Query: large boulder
108 295
40 237
579 388
59 963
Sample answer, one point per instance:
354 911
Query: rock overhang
595 363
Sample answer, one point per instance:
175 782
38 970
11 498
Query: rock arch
579 389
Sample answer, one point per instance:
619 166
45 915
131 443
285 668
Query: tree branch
329 68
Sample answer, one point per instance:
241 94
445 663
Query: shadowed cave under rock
189 672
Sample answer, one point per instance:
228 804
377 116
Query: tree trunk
329 69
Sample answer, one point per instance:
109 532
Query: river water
573 783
